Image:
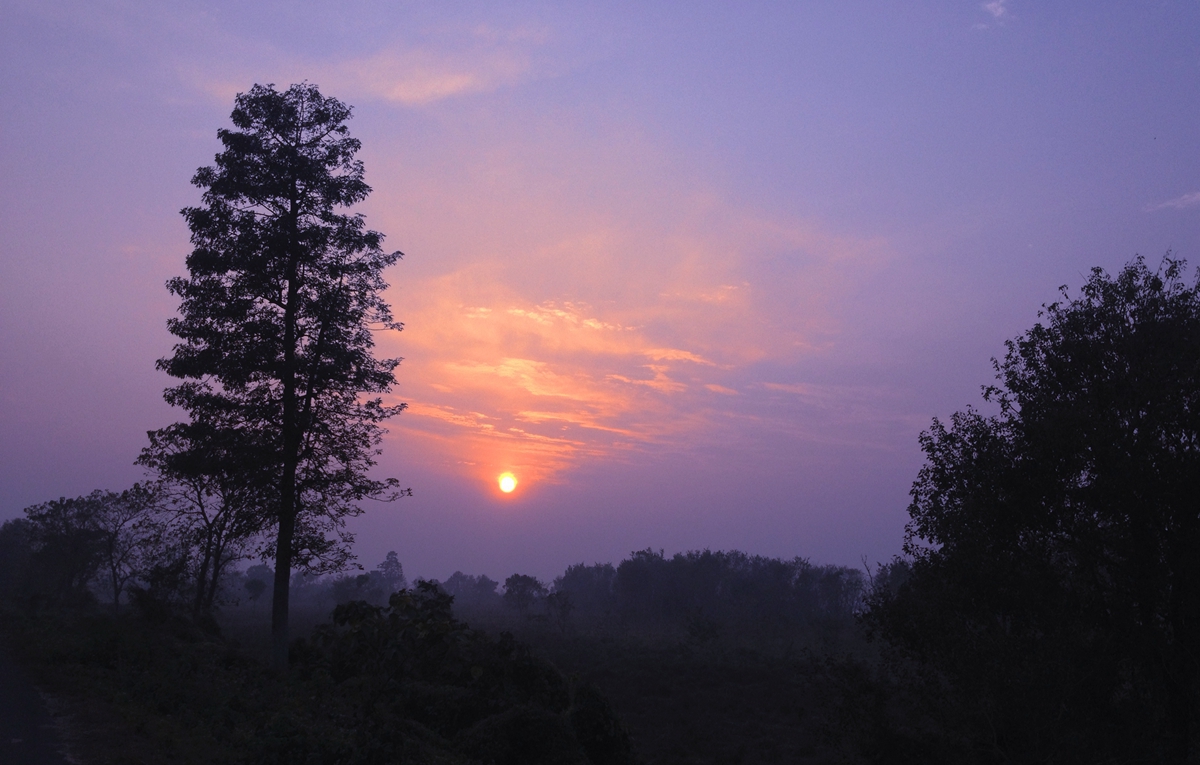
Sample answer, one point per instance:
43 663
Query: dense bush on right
1051 611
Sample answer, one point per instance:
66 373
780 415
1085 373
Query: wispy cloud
721 389
1191 199
674 354
996 8
828 396
407 72
413 77
547 384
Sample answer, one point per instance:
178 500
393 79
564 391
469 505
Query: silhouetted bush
404 682
488 697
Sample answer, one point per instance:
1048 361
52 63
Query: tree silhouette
1054 576
472 592
211 486
275 322
392 573
67 550
521 591
126 527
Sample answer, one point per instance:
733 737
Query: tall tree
276 320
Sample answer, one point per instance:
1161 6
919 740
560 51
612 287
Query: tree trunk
202 576
291 453
279 602
116 588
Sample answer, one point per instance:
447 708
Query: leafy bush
490 698
400 683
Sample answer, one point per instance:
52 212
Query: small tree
472 592
67 550
212 485
276 319
258 578
559 607
392 573
102 541
127 528
521 591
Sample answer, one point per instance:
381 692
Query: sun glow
507 482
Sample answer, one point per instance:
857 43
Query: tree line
148 546
702 594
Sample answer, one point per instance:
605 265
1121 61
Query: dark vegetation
710 656
1045 609
1053 606
703 657
457 696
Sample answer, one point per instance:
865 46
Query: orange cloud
505 372
430 66
568 299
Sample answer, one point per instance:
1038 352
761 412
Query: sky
697 274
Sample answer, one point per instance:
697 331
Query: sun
507 482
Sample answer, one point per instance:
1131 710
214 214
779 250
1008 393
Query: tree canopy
1054 578
275 327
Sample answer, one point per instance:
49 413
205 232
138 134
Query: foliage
1054 583
65 550
401 683
522 591
211 488
591 587
275 324
127 529
472 591
691 703
413 660
392 572
700 676
710 590
146 542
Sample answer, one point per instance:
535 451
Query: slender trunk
279 603
283 540
202 575
290 428
116 588
219 562
214 576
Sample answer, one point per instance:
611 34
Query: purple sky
698 275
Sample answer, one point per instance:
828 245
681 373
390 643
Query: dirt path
28 733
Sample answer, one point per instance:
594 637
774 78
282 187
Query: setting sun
508 482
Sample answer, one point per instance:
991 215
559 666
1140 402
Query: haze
697 275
